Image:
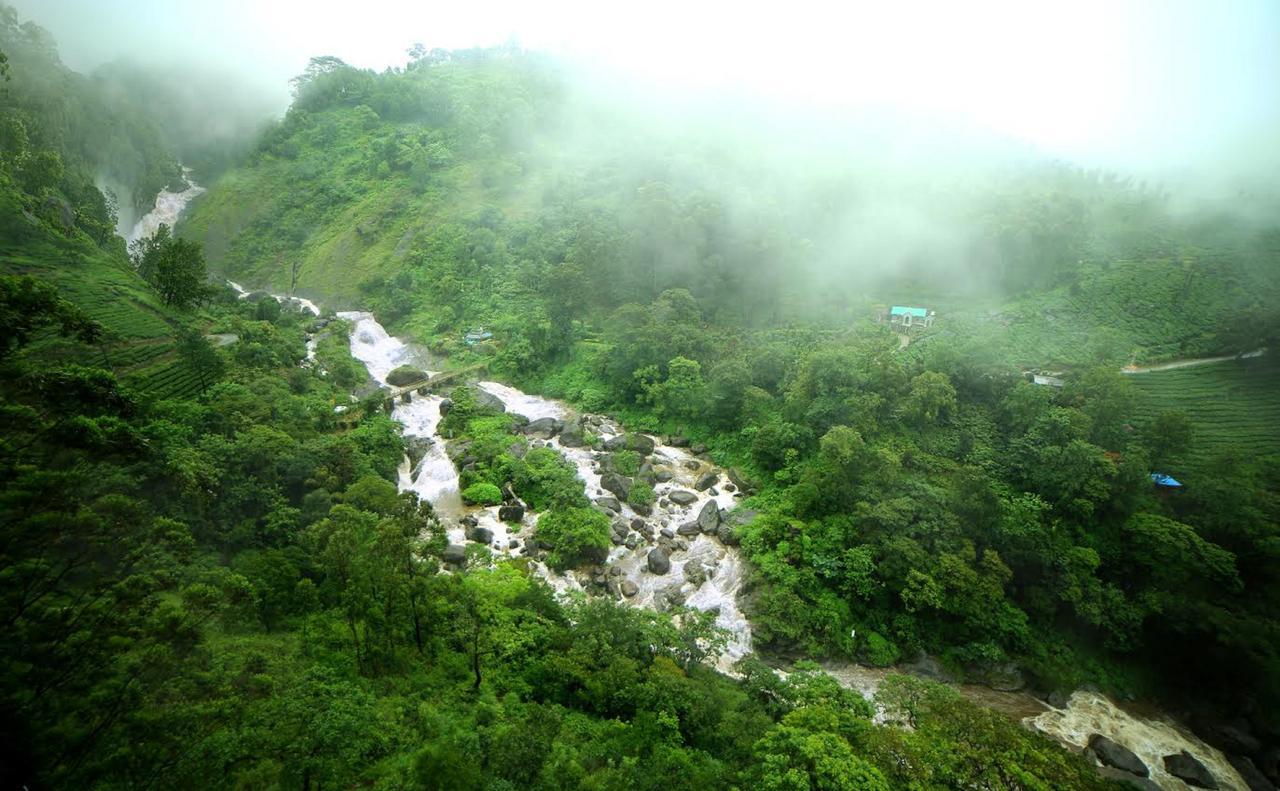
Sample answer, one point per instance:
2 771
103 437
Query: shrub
626 462
575 535
879 651
641 495
482 494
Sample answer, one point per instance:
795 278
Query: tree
1168 436
574 536
174 267
28 305
200 356
930 399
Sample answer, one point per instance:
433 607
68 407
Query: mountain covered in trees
210 579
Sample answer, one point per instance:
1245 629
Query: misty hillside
507 418
531 172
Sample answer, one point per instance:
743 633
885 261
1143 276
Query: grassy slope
1234 406
139 343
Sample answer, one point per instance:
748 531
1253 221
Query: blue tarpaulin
1160 479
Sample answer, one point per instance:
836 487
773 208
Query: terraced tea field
1233 405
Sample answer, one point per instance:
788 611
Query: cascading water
715 585
169 206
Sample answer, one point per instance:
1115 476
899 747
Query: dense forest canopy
212 572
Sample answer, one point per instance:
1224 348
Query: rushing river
718 570
434 478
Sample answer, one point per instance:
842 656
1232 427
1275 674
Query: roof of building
1050 381
898 310
1160 479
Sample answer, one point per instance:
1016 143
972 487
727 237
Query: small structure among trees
908 317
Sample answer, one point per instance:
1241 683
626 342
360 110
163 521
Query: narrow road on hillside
1134 369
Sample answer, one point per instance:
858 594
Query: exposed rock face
709 517
455 554
405 375
706 481
1187 768
616 484
511 513
681 497
1112 754
658 561
544 427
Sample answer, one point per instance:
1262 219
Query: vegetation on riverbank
926 499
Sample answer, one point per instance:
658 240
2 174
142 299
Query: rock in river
1187 768
616 484
1112 754
455 554
706 481
544 427
658 561
511 513
709 517
681 497
405 375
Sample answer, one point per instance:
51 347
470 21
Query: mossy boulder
405 375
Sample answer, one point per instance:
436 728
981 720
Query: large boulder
416 447
658 561
455 554
695 573
706 480
544 427
616 484
728 534
740 480
677 441
573 434
640 444
629 588
1111 754
610 504
511 513
405 375
688 529
480 535
662 474
445 405
709 517
1187 768
681 497
615 443
487 400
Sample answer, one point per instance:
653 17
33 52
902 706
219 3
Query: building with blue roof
910 317
1167 481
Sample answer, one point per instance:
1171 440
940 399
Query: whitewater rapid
435 479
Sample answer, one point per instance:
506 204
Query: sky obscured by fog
1175 89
